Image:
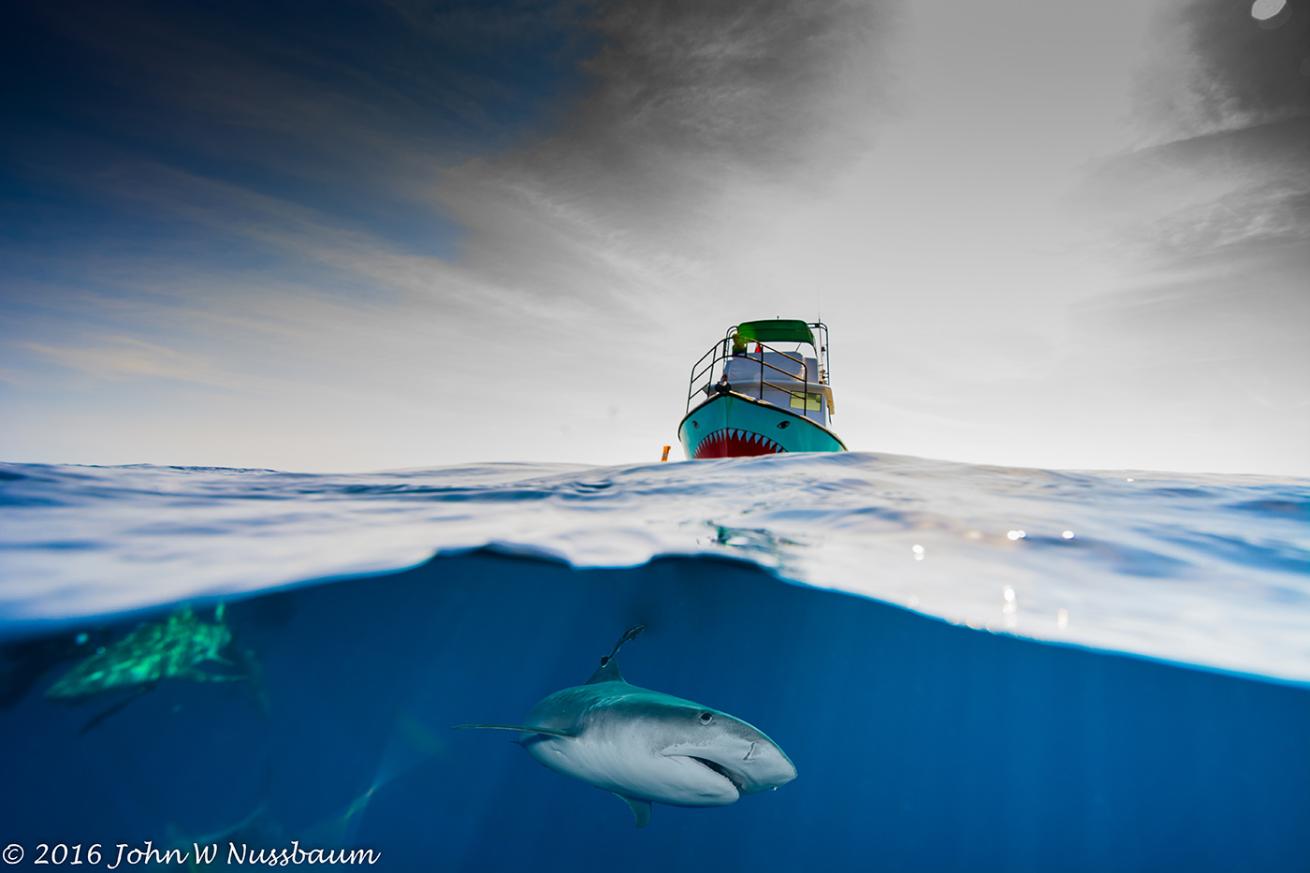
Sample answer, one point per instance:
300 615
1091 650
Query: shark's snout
765 767
741 755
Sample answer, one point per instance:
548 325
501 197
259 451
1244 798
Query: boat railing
716 360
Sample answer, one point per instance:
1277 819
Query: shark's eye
706 717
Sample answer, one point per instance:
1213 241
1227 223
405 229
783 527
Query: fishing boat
749 396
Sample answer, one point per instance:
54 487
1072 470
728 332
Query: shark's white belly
632 769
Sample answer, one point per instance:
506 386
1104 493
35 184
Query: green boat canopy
778 330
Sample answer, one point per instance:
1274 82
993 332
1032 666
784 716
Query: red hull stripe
734 443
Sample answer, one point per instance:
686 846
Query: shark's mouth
721 770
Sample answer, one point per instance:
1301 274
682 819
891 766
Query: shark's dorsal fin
640 808
608 671
518 729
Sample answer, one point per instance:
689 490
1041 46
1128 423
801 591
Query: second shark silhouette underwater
646 746
182 645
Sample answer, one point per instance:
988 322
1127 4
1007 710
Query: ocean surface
972 667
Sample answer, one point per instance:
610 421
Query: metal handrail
719 353
824 355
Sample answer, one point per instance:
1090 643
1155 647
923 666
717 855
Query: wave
1208 570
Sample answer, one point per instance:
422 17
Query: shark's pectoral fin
640 809
518 729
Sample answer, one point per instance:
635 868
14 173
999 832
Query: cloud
686 103
1207 195
125 357
1224 104
1209 225
616 189
1217 68
458 217
437 195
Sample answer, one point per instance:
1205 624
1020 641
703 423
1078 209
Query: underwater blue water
971 667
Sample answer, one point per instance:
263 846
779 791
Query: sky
353 236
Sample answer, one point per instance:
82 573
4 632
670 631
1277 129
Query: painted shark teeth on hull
734 443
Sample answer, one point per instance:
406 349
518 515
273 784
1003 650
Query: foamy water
1207 570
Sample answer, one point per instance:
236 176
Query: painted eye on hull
706 717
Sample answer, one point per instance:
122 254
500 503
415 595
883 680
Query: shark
176 646
647 746
182 645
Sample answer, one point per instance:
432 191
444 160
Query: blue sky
359 236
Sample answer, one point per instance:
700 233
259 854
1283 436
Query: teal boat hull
733 425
